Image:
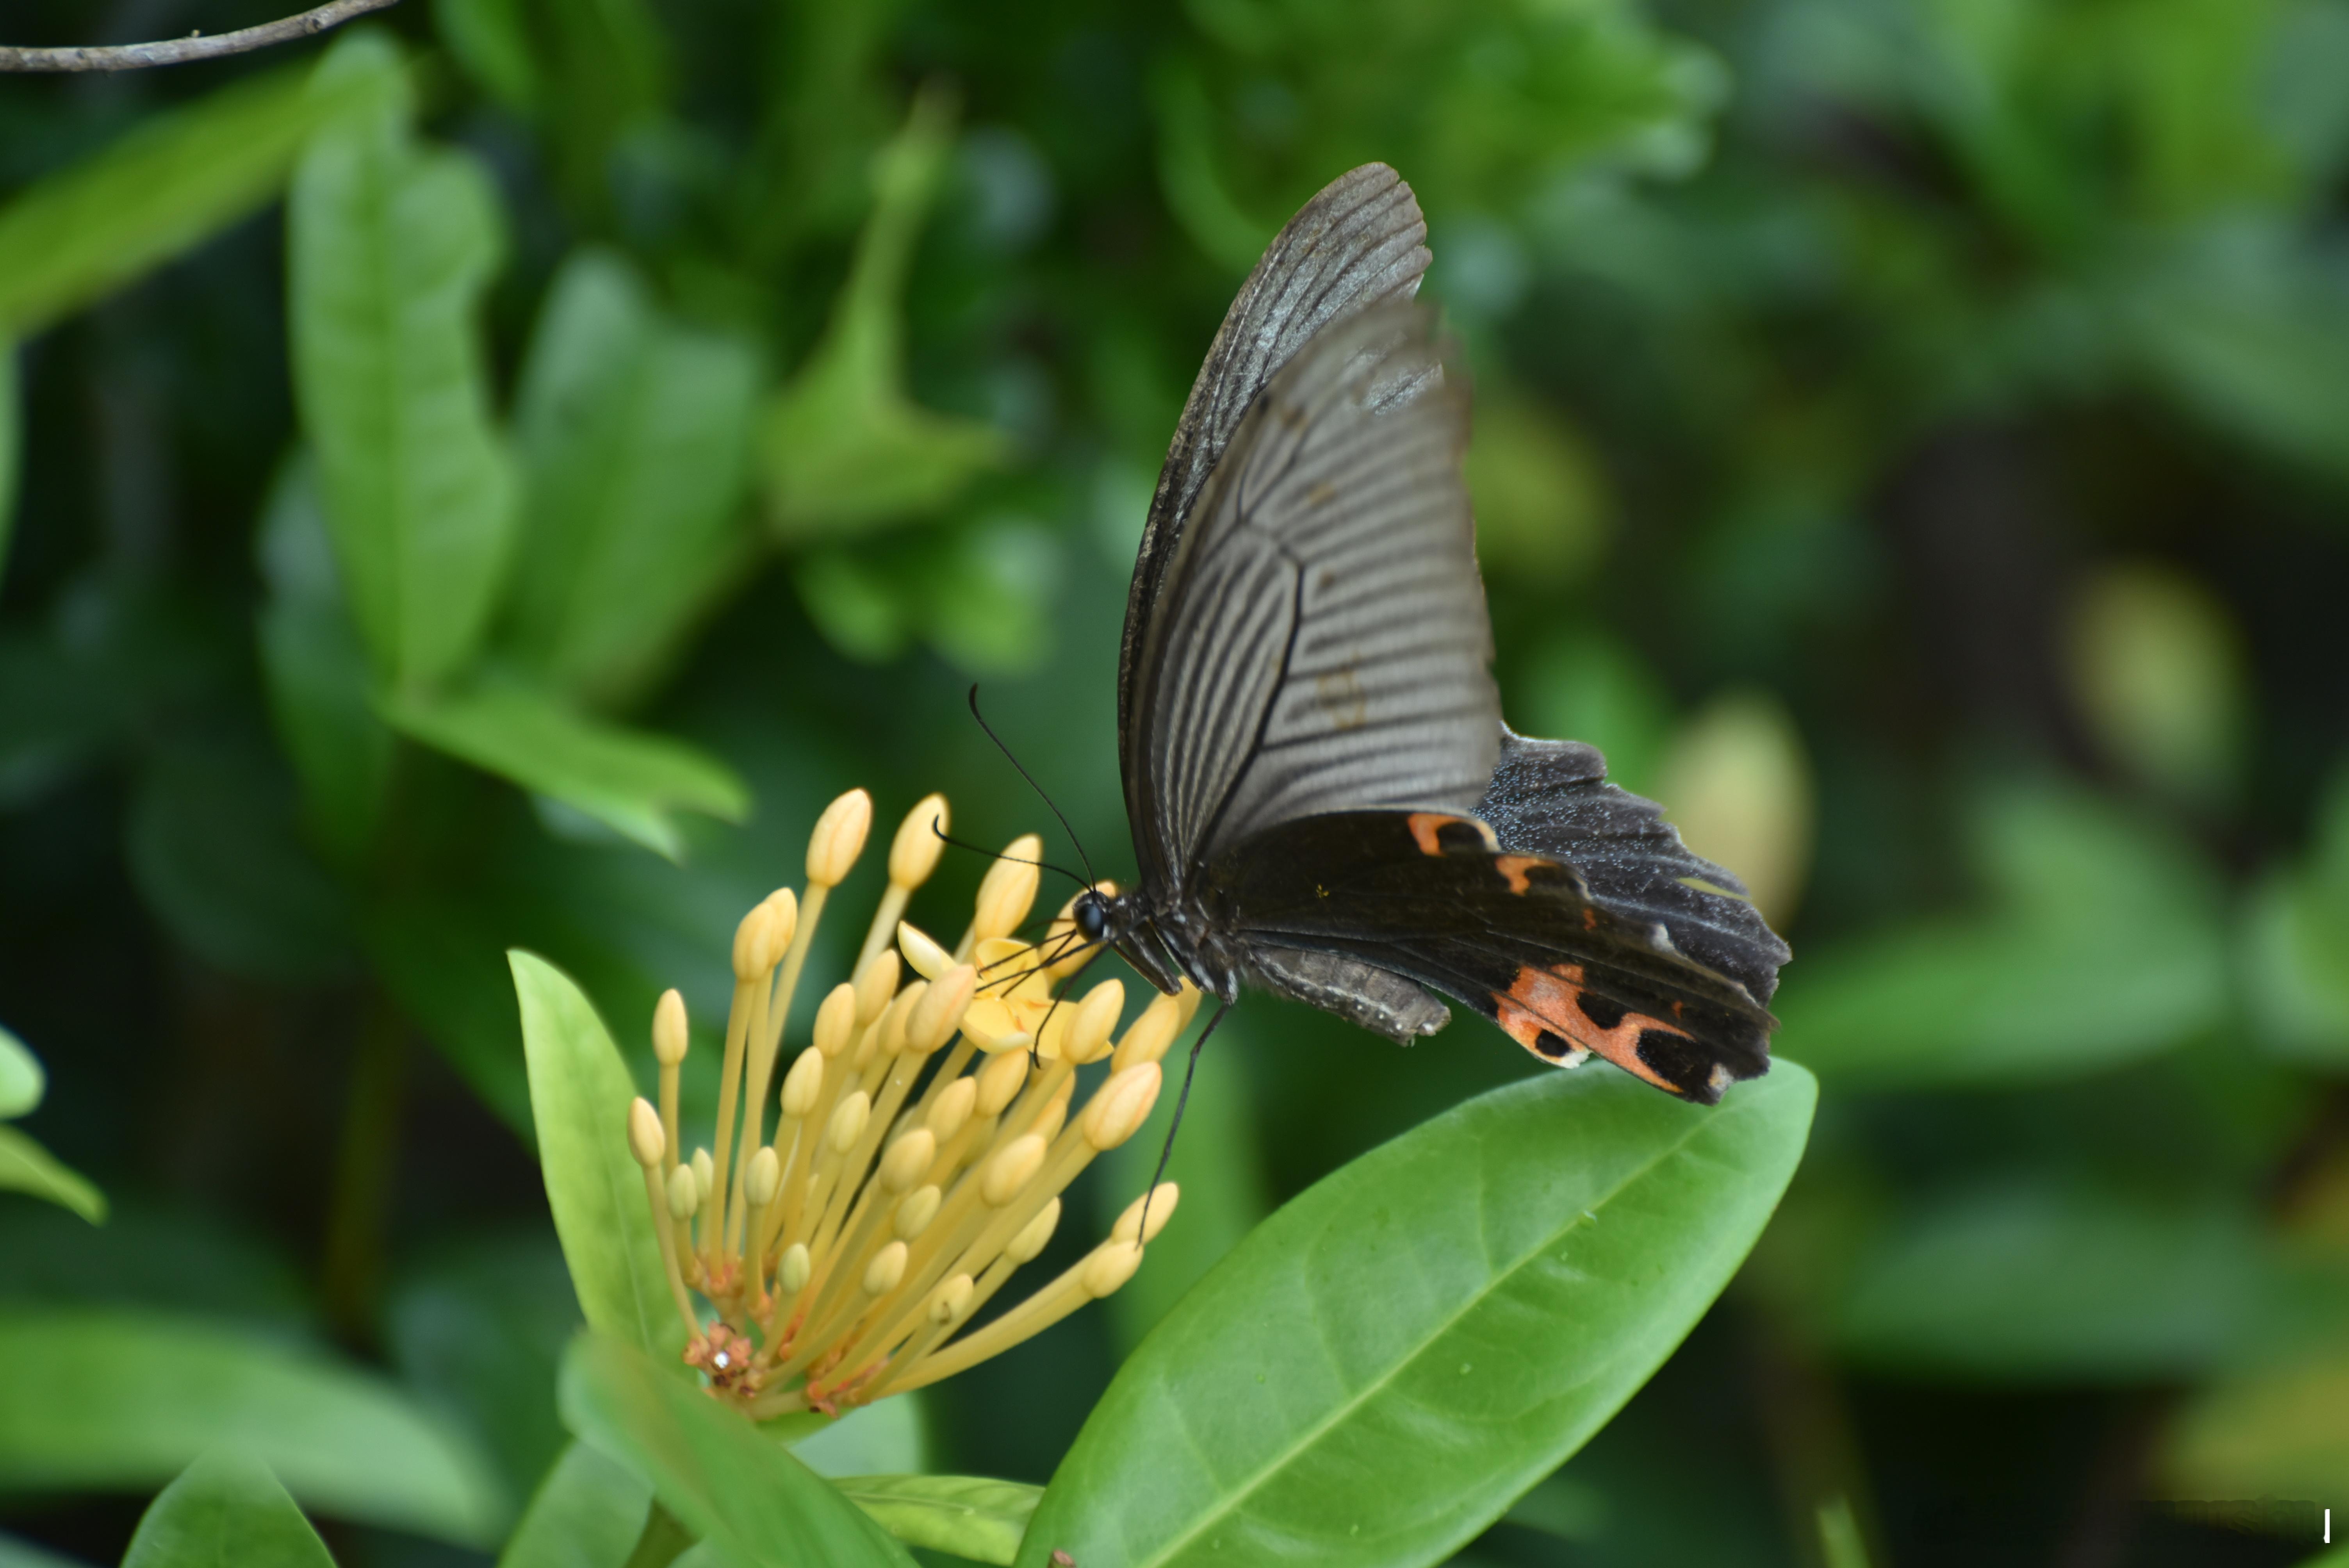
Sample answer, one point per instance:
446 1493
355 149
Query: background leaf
388 248
579 1096
26 1167
626 780
104 1399
969 1516
723 1480
22 1082
169 184
635 439
226 1510
1404 1294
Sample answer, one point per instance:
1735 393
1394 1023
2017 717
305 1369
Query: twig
194 46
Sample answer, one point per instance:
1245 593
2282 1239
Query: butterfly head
1092 915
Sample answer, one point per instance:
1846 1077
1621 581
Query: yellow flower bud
914 852
915 1214
684 1193
998 1080
887 1267
1009 889
1011 1169
803 1084
750 942
1023 1247
646 1141
839 839
1121 1105
791 1272
1095 1021
951 1300
1160 1200
925 957
951 1108
908 1160
936 1017
877 982
835 1019
669 1035
765 1175
1151 1034
847 1123
1110 1266
782 924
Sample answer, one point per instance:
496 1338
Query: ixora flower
844 1254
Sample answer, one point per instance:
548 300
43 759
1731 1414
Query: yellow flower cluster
845 1256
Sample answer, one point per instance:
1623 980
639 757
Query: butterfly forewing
1359 242
1322 644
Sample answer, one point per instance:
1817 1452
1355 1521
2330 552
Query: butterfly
1324 800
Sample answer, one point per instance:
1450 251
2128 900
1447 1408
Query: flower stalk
922 1136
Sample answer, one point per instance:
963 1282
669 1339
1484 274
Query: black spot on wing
1556 1047
1598 1009
1680 1062
1462 837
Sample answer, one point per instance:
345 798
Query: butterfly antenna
1182 1099
946 838
1090 879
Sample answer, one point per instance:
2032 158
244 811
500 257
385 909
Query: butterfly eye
1091 916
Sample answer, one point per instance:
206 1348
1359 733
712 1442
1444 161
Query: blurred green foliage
485 481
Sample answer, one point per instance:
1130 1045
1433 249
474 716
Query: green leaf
867 1441
491 39
224 1509
2054 1283
587 1513
2103 946
844 448
626 780
26 1167
22 1081
106 1400
634 441
579 1096
316 671
173 181
970 1516
720 1476
388 249
1388 1361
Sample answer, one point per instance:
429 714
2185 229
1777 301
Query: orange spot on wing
1515 867
1548 1001
1423 827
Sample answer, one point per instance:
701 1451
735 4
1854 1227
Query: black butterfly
1324 800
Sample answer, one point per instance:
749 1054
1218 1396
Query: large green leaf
26 1167
2043 1282
634 441
586 1513
171 183
970 1516
627 779
102 1399
2103 946
722 1478
388 248
224 1510
1390 1361
579 1095
844 448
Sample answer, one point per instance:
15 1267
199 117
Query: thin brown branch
196 47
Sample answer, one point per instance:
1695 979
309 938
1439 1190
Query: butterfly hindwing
1432 896
1551 798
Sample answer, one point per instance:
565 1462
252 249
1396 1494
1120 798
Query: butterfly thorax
1167 944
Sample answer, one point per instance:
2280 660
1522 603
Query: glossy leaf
843 448
388 249
868 1440
579 1095
723 1479
1390 1361
635 439
224 1510
627 779
970 1516
171 183
2103 946
22 1081
26 1167
587 1513
106 1400
2049 1283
